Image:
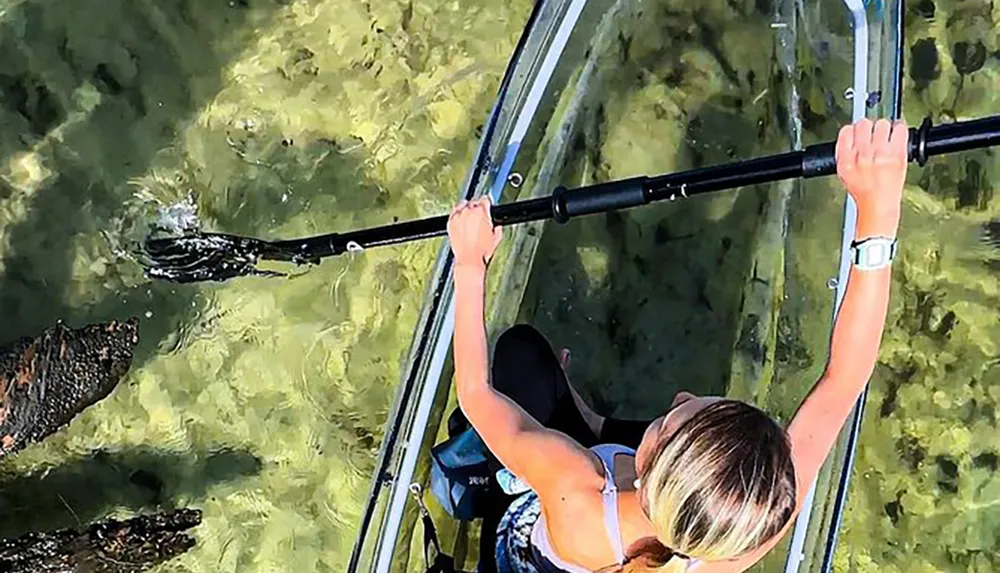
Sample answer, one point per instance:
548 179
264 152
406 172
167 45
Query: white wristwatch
873 253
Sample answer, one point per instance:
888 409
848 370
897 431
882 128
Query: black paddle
201 256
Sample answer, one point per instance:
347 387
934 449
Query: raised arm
871 163
522 445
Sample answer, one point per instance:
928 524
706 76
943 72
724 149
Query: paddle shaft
814 161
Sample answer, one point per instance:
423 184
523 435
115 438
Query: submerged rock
110 546
969 57
46 381
924 63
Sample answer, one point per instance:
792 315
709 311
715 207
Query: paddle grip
598 198
925 142
821 159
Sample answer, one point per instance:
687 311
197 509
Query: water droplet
832 283
149 314
849 93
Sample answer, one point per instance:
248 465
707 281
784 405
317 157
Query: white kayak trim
535 95
425 401
859 99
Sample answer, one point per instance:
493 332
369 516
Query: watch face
874 253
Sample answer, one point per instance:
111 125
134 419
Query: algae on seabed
259 401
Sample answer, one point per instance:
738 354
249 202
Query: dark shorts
526 369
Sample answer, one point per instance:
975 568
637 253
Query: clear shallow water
259 401
262 401
925 489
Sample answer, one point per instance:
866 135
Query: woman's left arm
545 459
872 164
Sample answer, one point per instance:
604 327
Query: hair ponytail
650 556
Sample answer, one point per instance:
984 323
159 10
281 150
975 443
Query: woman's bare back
575 521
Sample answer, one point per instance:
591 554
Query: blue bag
460 475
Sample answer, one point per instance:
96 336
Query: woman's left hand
473 236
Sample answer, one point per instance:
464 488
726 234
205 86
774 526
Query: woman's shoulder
602 458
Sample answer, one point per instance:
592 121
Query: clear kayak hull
732 293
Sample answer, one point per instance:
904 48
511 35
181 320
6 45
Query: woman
712 484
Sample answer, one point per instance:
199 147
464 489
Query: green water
925 493
262 401
259 401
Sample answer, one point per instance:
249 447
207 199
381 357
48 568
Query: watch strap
873 253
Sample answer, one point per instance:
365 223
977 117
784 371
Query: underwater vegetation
258 403
261 402
925 494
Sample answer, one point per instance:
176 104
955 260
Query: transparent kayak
732 293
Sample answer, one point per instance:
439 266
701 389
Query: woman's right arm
871 162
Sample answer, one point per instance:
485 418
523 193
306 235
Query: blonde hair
719 486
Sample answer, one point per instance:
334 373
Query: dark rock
925 8
46 381
987 460
974 191
106 81
912 452
894 509
924 65
32 100
968 58
149 481
110 546
948 474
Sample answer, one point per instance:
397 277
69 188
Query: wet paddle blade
197 257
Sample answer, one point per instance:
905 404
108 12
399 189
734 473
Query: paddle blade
197 257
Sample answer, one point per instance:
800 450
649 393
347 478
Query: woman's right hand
472 233
872 158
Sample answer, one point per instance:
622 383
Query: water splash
177 219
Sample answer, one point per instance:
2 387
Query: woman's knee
524 367
520 338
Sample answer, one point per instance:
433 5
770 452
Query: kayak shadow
86 488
